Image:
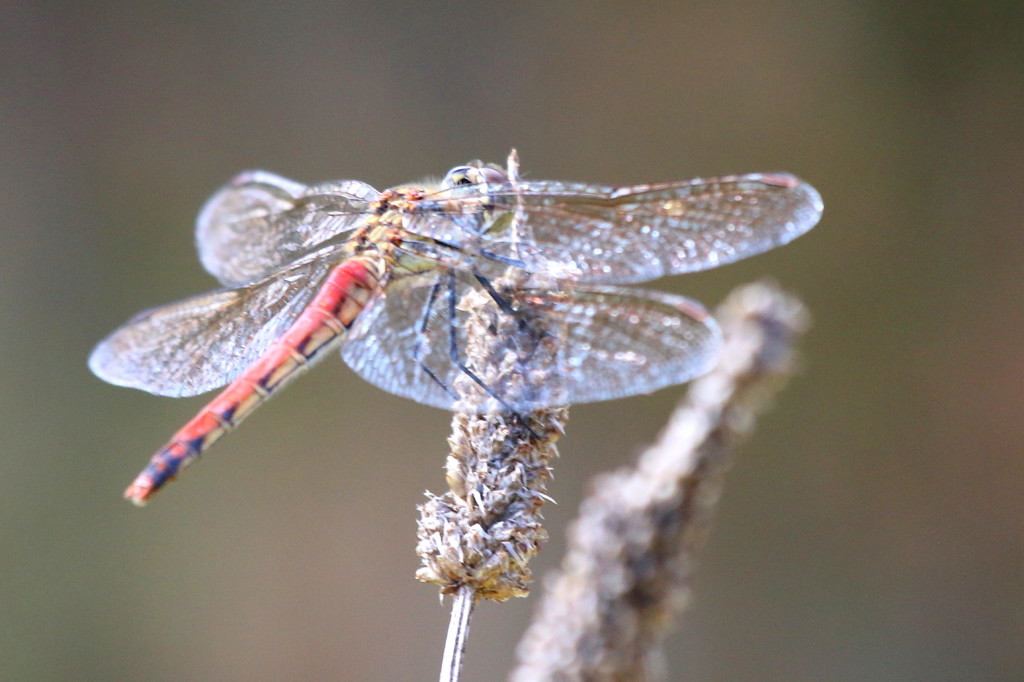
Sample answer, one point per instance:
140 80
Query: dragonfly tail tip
138 493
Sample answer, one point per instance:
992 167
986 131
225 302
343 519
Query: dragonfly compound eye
467 176
460 176
491 176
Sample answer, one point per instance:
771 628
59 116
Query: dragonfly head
472 174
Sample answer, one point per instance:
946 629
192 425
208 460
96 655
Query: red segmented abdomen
332 311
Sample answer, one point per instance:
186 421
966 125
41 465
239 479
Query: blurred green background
873 529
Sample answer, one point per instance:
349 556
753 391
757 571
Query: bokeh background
873 529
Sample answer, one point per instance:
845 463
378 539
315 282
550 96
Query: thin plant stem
458 632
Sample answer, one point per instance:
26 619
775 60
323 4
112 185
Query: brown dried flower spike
482 533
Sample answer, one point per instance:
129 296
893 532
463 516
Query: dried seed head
484 530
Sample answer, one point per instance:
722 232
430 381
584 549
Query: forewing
201 343
614 342
641 232
260 222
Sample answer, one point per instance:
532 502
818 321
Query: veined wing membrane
259 222
616 342
641 232
202 343
624 341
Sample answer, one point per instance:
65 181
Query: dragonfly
380 275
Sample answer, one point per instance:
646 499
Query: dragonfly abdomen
337 304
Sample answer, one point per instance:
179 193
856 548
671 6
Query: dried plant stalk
476 540
626 571
482 533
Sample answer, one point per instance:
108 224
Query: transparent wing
259 222
201 343
597 233
615 342
388 347
622 342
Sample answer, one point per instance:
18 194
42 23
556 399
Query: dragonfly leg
453 342
498 299
513 262
503 304
421 334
